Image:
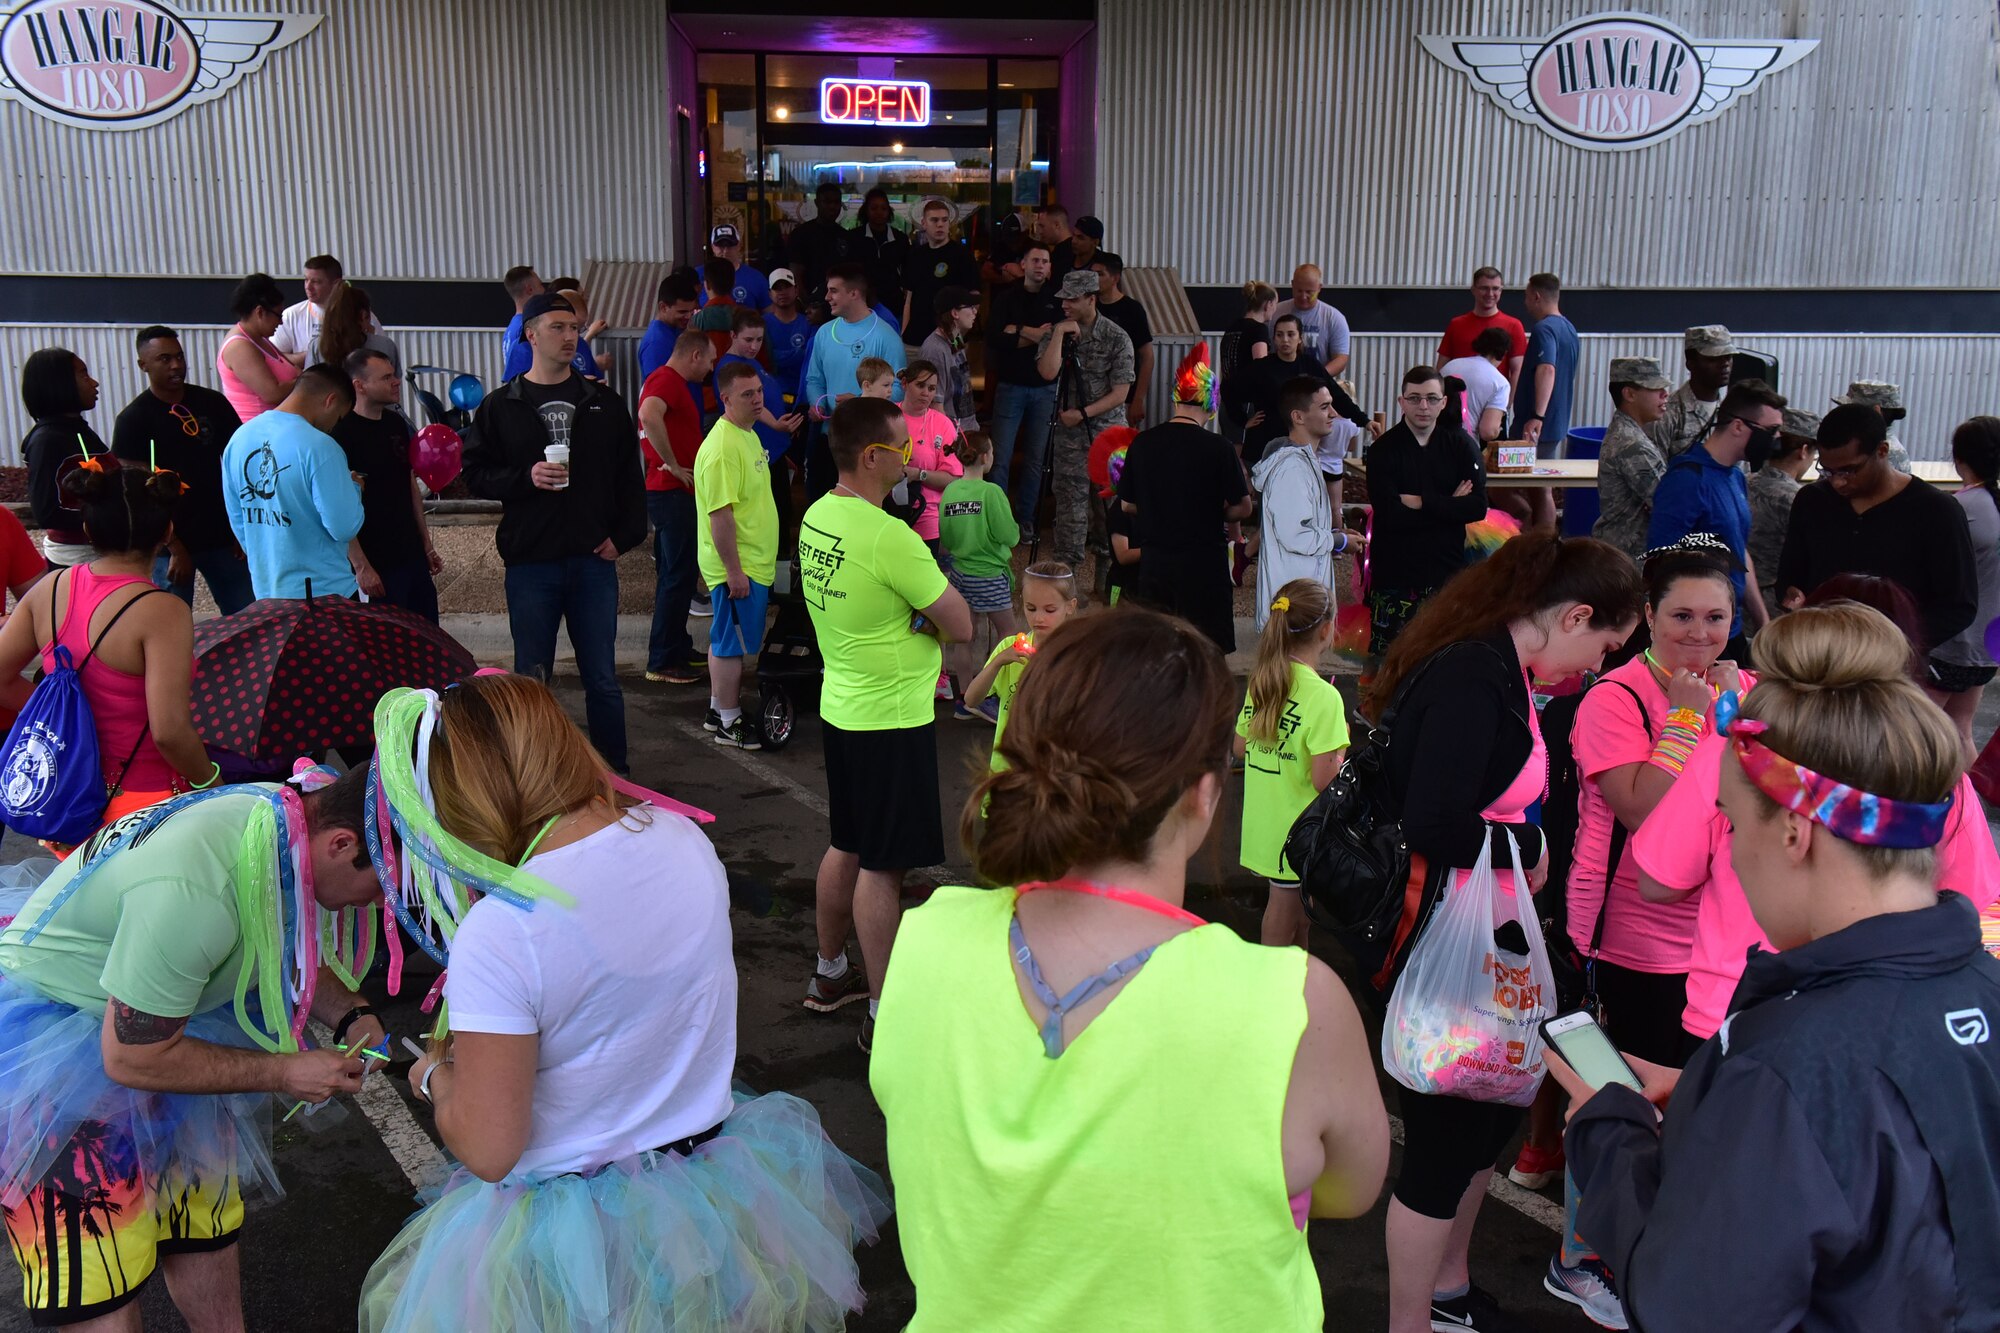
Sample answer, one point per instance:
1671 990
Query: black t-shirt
929 271
380 451
150 428
1118 523
1129 315
1181 478
1024 309
1918 539
555 404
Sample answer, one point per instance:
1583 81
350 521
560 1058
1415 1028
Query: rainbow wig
1195 380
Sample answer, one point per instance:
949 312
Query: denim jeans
1021 428
673 517
583 591
228 576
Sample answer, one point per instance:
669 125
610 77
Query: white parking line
1526 1202
407 1141
798 791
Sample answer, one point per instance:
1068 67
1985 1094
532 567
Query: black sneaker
712 722
742 733
826 994
1476 1311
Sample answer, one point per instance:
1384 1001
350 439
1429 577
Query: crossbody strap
1619 833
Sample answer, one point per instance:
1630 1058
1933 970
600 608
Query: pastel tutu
755 1231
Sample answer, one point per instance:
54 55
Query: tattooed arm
155 1054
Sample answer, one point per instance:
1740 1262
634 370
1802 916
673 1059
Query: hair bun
90 480
1837 645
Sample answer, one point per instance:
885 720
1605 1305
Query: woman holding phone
1826 1163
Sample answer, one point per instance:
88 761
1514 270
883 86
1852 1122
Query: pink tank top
117 698
240 395
1511 805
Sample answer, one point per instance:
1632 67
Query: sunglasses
189 423
904 450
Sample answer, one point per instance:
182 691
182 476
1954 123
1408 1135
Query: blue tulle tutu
753 1233
52 1080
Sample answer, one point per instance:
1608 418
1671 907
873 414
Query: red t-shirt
20 562
683 428
1458 335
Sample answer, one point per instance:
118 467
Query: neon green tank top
1137 1182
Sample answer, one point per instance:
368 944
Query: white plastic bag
1465 1018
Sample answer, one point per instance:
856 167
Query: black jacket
606 496
1830 1159
1415 549
1263 383
51 453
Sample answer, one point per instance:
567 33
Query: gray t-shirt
1982 519
1325 329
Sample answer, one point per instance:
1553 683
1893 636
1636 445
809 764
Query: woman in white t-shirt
610 1178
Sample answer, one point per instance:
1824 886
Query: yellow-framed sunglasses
904 450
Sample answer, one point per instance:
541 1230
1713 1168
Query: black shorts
882 795
1642 1011
1446 1142
1955 679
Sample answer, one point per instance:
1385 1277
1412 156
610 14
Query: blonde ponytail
1299 609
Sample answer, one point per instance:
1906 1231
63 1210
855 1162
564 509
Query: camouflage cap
1081 282
1801 423
1709 340
1874 393
1643 371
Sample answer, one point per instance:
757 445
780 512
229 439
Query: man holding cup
561 455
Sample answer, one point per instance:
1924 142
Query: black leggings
1446 1142
1642 1012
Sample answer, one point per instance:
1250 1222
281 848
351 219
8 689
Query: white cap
779 275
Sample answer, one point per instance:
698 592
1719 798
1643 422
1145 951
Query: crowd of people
1708 764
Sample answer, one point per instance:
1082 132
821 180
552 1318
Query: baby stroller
464 391
789 667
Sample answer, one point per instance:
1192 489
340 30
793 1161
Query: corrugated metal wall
1237 140
413 138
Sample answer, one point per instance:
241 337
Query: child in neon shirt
1048 598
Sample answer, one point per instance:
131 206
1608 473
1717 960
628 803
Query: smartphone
1583 1044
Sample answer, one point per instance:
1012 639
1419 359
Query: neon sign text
875 101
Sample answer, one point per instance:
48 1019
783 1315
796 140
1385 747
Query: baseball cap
1802 423
724 233
1643 371
1091 227
779 275
1709 340
1873 393
542 302
952 298
1078 282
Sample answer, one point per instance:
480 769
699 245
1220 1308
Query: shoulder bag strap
1619 833
113 788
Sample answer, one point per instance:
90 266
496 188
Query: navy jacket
1830 1159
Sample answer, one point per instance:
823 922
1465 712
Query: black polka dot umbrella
285 677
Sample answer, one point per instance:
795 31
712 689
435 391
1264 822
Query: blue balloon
466 391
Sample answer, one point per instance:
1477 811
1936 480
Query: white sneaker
700 607
1588 1287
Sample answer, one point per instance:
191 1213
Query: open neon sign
875 101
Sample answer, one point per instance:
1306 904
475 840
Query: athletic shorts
737 630
1954 678
92 1232
984 594
882 795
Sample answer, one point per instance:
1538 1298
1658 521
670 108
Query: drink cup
558 455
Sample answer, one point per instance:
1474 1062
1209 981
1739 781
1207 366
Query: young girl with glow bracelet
1291 735
1048 598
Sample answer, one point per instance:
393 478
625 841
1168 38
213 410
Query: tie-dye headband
1194 381
1846 812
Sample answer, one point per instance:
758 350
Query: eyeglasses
1849 472
905 450
189 423
1424 399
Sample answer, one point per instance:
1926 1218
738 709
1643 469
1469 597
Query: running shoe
944 690
1536 1167
988 712
1475 1311
742 733
1589 1288
712 722
700 606
674 675
866 1041
826 994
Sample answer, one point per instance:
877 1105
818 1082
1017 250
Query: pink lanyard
1145 902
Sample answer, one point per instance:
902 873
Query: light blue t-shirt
292 504
839 348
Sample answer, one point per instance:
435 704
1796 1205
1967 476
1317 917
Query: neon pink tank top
240 395
117 698
1509 807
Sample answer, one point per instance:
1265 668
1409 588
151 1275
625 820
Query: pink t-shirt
930 449
1528 786
1684 844
1647 937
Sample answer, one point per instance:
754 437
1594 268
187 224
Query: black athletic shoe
1474 1312
712 722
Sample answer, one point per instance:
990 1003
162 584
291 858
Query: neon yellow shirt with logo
1277 776
863 574
1006 684
732 470
1136 1181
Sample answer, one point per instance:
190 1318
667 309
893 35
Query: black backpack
1561 813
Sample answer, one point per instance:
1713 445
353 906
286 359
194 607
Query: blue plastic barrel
1580 502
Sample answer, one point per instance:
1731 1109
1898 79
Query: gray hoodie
1299 526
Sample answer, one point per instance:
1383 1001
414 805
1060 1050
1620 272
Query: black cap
542 302
952 298
1091 227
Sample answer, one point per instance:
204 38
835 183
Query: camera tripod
1068 388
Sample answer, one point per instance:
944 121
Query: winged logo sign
128 64
1616 81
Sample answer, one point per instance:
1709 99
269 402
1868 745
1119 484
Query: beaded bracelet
1678 737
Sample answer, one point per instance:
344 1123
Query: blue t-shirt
1699 494
775 441
655 346
1551 342
838 348
786 343
511 339
751 289
292 505
523 356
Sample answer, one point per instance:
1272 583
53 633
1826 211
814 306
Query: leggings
1642 1011
1446 1142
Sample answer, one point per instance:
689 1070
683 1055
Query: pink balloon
435 455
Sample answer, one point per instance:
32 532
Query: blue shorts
737 629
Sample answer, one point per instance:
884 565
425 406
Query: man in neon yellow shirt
879 605
737 546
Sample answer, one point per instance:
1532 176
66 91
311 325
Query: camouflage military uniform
1685 418
1103 356
1628 471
